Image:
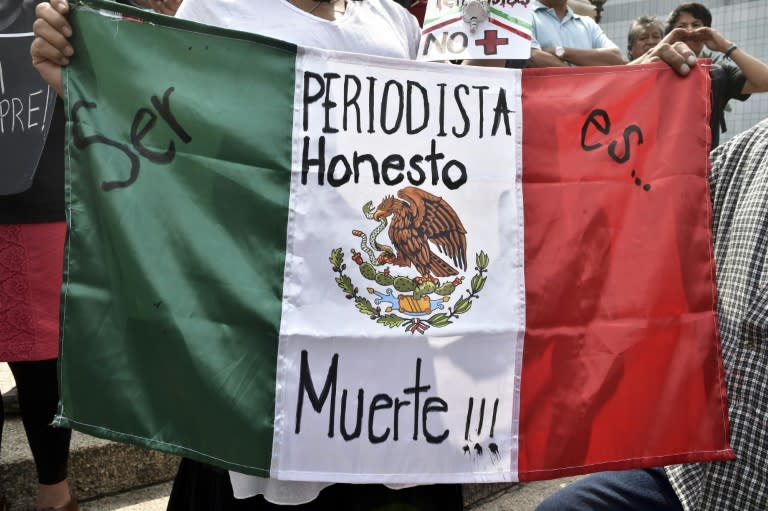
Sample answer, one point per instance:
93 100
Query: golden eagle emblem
416 219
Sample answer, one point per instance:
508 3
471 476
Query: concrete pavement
153 498
519 497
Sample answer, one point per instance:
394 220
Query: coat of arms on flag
422 225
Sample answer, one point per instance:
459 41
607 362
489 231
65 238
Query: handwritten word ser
143 122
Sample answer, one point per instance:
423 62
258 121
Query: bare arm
754 69
545 57
167 7
484 62
542 58
593 57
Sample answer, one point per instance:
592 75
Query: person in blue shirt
562 37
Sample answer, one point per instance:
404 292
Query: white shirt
371 27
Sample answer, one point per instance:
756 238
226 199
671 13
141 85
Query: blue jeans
628 490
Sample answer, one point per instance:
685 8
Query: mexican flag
324 266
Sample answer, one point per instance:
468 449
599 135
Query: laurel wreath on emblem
418 219
412 325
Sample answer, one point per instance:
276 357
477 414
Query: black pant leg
202 487
38 388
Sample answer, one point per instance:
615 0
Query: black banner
26 108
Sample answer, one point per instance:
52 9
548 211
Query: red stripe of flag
621 361
515 31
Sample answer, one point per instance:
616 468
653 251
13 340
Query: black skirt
201 487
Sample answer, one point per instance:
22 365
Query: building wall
745 22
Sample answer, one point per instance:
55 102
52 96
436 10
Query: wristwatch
559 52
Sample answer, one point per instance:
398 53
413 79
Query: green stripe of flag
184 319
511 19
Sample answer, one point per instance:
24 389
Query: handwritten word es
599 120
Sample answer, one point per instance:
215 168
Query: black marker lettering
441 111
480 107
448 181
396 426
432 158
392 162
329 105
164 109
462 111
379 402
351 101
600 120
631 129
415 163
501 110
433 404
319 162
399 105
371 103
82 142
358 416
138 132
306 386
336 161
311 98
410 128
416 390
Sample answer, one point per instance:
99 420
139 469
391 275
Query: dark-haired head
695 10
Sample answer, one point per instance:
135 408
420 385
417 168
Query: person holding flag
239 13
31 254
374 27
735 73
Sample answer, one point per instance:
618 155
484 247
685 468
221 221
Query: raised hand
50 50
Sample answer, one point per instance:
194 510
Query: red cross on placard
490 42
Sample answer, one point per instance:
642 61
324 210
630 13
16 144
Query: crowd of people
32 225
